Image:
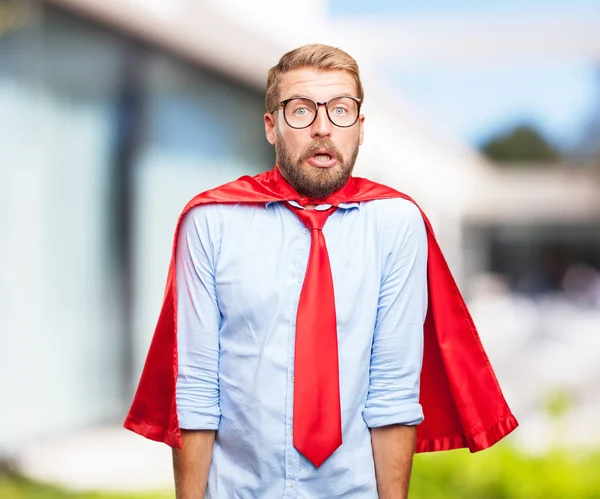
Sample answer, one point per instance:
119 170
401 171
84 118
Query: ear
270 128
361 129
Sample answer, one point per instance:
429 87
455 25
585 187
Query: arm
192 462
393 450
197 389
392 410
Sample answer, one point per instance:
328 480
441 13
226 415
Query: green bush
504 473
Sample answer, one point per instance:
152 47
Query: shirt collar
319 207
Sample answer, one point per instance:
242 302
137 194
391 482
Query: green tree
522 144
588 147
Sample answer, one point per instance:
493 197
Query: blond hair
316 56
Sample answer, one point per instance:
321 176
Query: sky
458 7
478 102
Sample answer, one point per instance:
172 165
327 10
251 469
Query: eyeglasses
301 112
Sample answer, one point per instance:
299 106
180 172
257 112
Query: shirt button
292 483
306 230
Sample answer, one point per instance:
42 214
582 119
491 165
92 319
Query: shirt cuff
198 421
407 414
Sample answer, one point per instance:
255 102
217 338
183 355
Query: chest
263 255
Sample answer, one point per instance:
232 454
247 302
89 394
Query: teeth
323 157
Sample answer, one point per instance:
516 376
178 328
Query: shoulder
395 212
218 218
204 218
400 224
202 213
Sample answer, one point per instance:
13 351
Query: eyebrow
301 96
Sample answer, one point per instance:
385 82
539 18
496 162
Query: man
287 357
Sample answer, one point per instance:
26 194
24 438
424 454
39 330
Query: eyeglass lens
300 113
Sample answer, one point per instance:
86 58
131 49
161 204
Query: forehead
316 84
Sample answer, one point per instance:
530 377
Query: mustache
323 144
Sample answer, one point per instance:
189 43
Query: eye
339 111
301 111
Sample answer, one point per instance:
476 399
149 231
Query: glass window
102 142
59 327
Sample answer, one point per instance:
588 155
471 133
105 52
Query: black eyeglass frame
285 102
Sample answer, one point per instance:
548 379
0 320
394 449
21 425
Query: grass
16 487
498 473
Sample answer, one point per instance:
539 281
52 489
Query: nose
321 127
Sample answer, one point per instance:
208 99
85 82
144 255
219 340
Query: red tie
317 414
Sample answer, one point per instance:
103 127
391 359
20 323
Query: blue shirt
240 270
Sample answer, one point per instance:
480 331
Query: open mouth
322 159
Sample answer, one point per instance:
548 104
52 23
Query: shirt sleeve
199 321
397 351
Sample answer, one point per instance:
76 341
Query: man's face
319 159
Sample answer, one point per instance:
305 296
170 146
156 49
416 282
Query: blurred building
114 114
104 136
531 223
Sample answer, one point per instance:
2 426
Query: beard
310 181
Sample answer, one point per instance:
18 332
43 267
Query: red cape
462 401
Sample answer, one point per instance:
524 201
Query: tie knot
313 219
